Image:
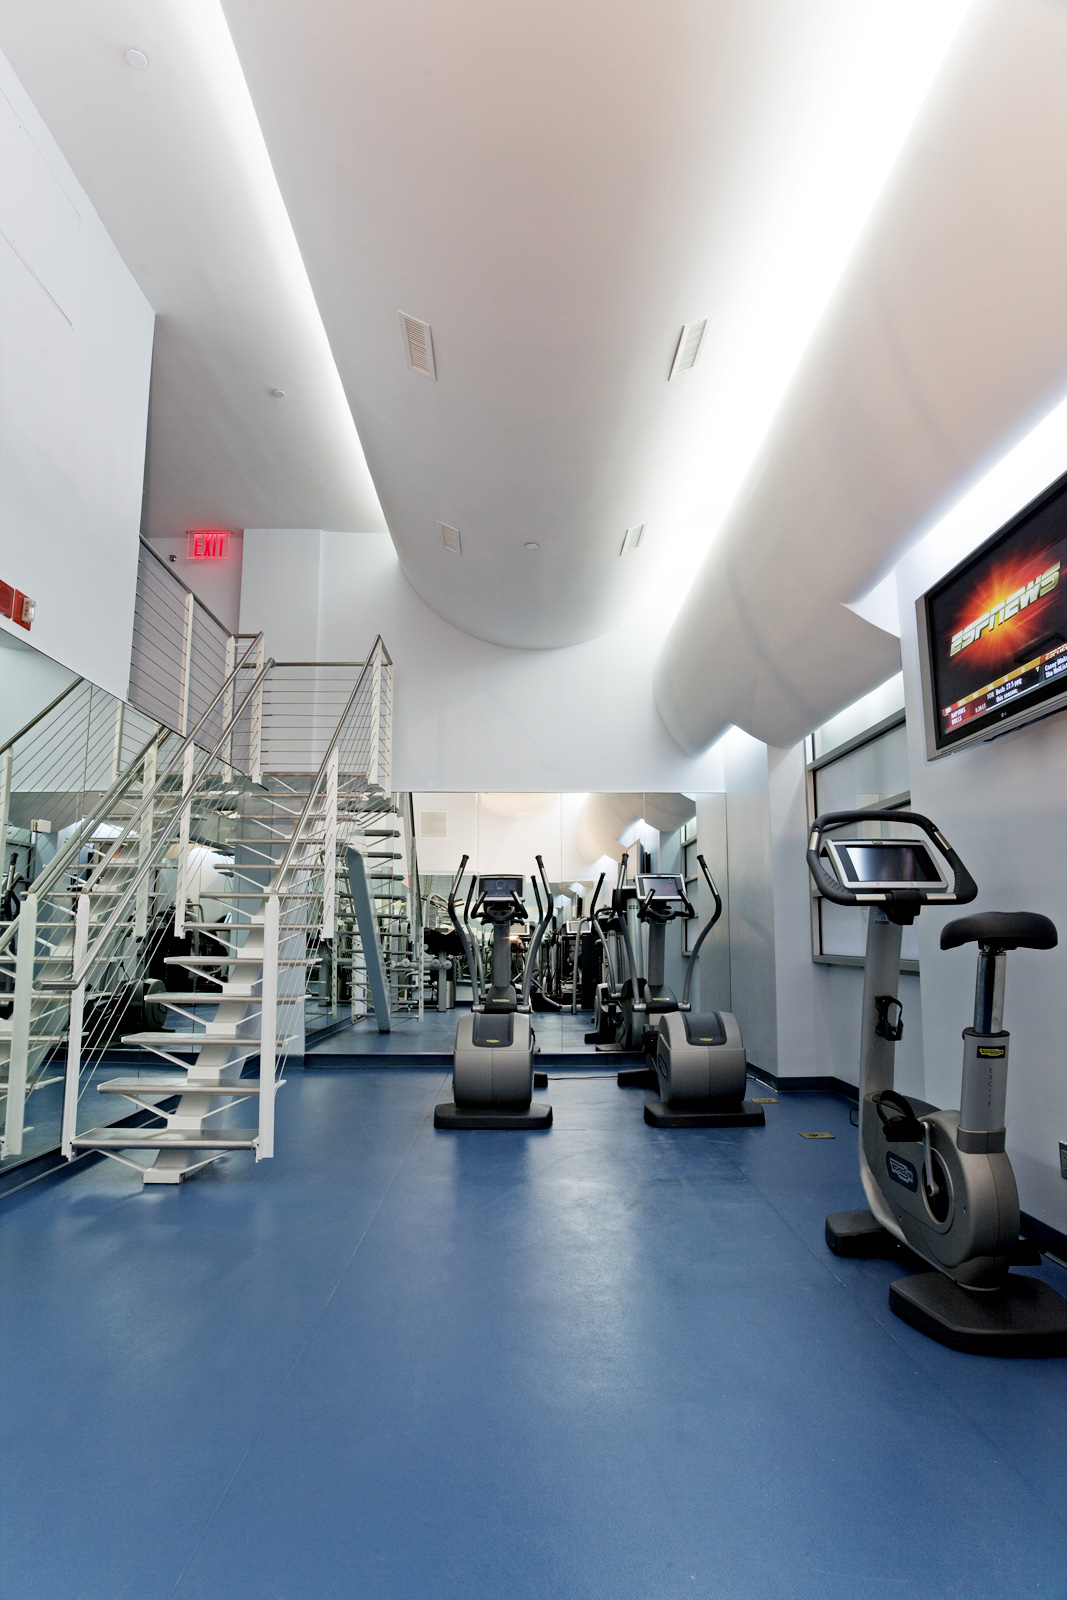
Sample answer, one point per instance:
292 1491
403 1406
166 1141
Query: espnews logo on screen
1007 608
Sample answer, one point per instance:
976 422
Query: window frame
894 802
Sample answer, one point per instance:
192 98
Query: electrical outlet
1063 1159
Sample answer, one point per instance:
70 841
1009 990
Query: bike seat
1005 930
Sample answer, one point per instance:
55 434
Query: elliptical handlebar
596 896
705 930
535 942
465 943
964 888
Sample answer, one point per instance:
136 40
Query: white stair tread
226 958
165 1139
200 997
190 1041
169 1084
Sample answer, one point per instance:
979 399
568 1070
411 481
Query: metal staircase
120 916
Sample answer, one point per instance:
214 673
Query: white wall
1003 805
468 715
505 833
28 682
76 337
217 584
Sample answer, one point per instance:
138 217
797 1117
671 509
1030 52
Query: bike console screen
663 886
500 888
884 864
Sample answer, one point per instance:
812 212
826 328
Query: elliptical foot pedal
450 1116
658 1114
858 1234
1023 1318
637 1078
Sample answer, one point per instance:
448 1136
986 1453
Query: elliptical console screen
664 887
500 888
997 625
885 864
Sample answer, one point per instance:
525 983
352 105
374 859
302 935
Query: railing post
187 663
227 699
18 1066
268 1026
255 751
144 844
116 752
329 861
181 885
72 1080
373 764
5 803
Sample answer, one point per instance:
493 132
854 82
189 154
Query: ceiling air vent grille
685 357
433 824
450 539
631 539
418 345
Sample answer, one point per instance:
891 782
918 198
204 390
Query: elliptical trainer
492 1069
697 1058
939 1182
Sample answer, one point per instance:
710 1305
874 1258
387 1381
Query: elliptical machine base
658 1114
449 1115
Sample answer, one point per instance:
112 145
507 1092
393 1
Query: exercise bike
938 1182
697 1058
493 1075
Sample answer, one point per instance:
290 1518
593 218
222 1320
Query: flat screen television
993 631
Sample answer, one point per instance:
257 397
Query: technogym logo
1005 609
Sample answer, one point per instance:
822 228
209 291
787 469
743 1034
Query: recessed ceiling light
450 539
136 58
529 545
631 539
279 394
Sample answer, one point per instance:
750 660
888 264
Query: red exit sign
207 544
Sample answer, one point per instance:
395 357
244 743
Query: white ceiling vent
433 824
685 357
450 539
418 345
631 539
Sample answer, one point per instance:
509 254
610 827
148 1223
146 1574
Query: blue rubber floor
602 1362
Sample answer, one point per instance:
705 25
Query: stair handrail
51 706
274 886
60 862
44 985
178 755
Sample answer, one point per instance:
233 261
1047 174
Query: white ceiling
555 185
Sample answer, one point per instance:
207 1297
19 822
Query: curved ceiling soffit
603 817
948 338
555 195
170 158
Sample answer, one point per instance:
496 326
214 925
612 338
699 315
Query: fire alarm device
7 599
23 610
